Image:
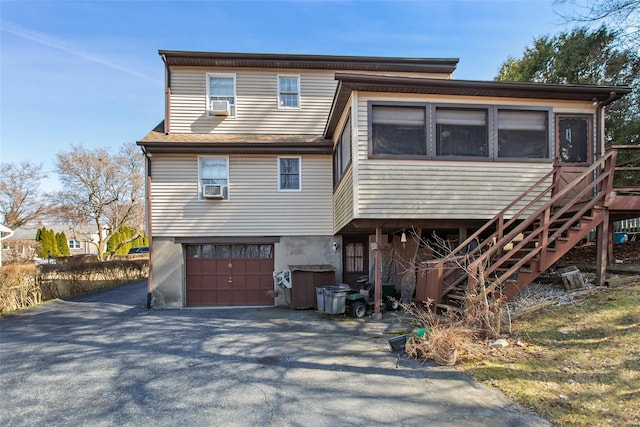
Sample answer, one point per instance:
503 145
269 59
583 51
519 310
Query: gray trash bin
335 299
320 298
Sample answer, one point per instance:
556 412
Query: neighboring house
79 240
265 161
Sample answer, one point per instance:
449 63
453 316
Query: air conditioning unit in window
220 108
213 191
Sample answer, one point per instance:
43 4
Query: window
74 244
214 170
354 257
523 134
398 131
289 173
574 134
222 87
461 132
342 153
446 131
288 91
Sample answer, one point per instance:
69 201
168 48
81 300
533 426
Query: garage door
229 275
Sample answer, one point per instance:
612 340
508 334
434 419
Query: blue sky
88 72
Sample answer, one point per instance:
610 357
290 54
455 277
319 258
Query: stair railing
506 232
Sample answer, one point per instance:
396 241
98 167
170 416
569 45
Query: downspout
167 96
604 239
600 138
147 166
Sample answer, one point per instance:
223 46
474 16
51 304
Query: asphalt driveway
104 359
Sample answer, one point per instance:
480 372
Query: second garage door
229 275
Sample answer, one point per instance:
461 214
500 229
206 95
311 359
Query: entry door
355 258
574 154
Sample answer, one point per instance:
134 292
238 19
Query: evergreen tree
48 246
585 57
62 244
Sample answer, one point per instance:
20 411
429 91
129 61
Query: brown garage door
229 275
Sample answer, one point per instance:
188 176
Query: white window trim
235 94
200 197
74 244
297 77
299 174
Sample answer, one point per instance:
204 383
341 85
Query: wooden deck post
378 280
602 249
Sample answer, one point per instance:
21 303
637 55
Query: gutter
600 119
167 95
147 166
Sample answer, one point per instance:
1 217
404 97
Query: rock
500 343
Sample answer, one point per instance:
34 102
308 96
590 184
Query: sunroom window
523 134
398 131
461 132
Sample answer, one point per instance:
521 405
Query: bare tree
623 16
21 201
102 189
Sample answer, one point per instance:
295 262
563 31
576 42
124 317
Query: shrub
25 285
19 286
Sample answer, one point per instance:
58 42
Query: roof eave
376 83
305 61
159 147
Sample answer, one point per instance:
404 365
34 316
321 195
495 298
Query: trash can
335 299
620 237
320 298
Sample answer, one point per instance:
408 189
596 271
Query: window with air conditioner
213 178
221 90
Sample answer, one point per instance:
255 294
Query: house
267 161
78 239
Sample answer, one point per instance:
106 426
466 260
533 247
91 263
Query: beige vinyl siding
255 206
442 190
256 102
343 201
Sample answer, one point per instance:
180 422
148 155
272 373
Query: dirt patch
623 253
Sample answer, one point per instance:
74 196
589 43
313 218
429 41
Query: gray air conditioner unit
213 191
220 108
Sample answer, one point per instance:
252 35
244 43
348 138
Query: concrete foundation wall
167 279
303 250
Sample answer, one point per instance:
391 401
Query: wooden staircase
526 238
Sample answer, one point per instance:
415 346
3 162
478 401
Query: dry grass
575 365
447 339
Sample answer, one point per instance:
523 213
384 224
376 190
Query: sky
88 72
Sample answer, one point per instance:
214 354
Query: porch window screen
523 134
398 131
461 132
